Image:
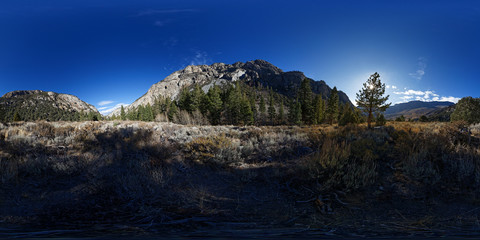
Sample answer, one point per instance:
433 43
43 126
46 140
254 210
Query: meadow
128 176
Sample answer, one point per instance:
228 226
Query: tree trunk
369 119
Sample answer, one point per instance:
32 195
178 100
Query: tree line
241 104
43 111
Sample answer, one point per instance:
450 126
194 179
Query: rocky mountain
40 105
415 109
254 73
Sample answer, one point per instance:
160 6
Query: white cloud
108 110
394 87
447 99
200 58
422 64
106 102
410 92
406 98
425 96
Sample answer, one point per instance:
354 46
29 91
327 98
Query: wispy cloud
200 58
391 86
425 96
421 66
108 110
447 99
149 12
106 102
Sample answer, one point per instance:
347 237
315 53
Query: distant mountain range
31 105
253 73
439 111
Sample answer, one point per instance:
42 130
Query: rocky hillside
40 105
415 109
254 73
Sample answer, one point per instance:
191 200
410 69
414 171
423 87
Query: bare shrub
419 167
214 149
334 166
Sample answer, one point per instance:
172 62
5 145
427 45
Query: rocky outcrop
254 73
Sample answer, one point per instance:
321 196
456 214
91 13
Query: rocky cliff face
254 73
41 105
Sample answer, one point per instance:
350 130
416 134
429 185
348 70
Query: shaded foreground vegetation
404 178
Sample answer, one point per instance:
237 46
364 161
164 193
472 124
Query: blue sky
110 52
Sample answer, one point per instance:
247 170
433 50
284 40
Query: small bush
336 166
212 149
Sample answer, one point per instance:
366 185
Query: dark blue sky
113 51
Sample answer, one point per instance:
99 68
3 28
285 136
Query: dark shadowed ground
154 180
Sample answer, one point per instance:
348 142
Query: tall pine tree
262 109
319 109
246 111
331 113
123 116
215 105
370 98
271 109
281 113
305 97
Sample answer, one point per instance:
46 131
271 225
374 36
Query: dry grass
144 171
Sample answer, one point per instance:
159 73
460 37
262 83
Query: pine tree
166 104
370 98
185 100
140 113
305 96
254 107
291 112
132 115
331 113
16 117
298 114
234 100
204 104
281 113
347 117
196 98
148 113
262 109
246 111
319 109
122 114
172 111
215 105
295 113
271 109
